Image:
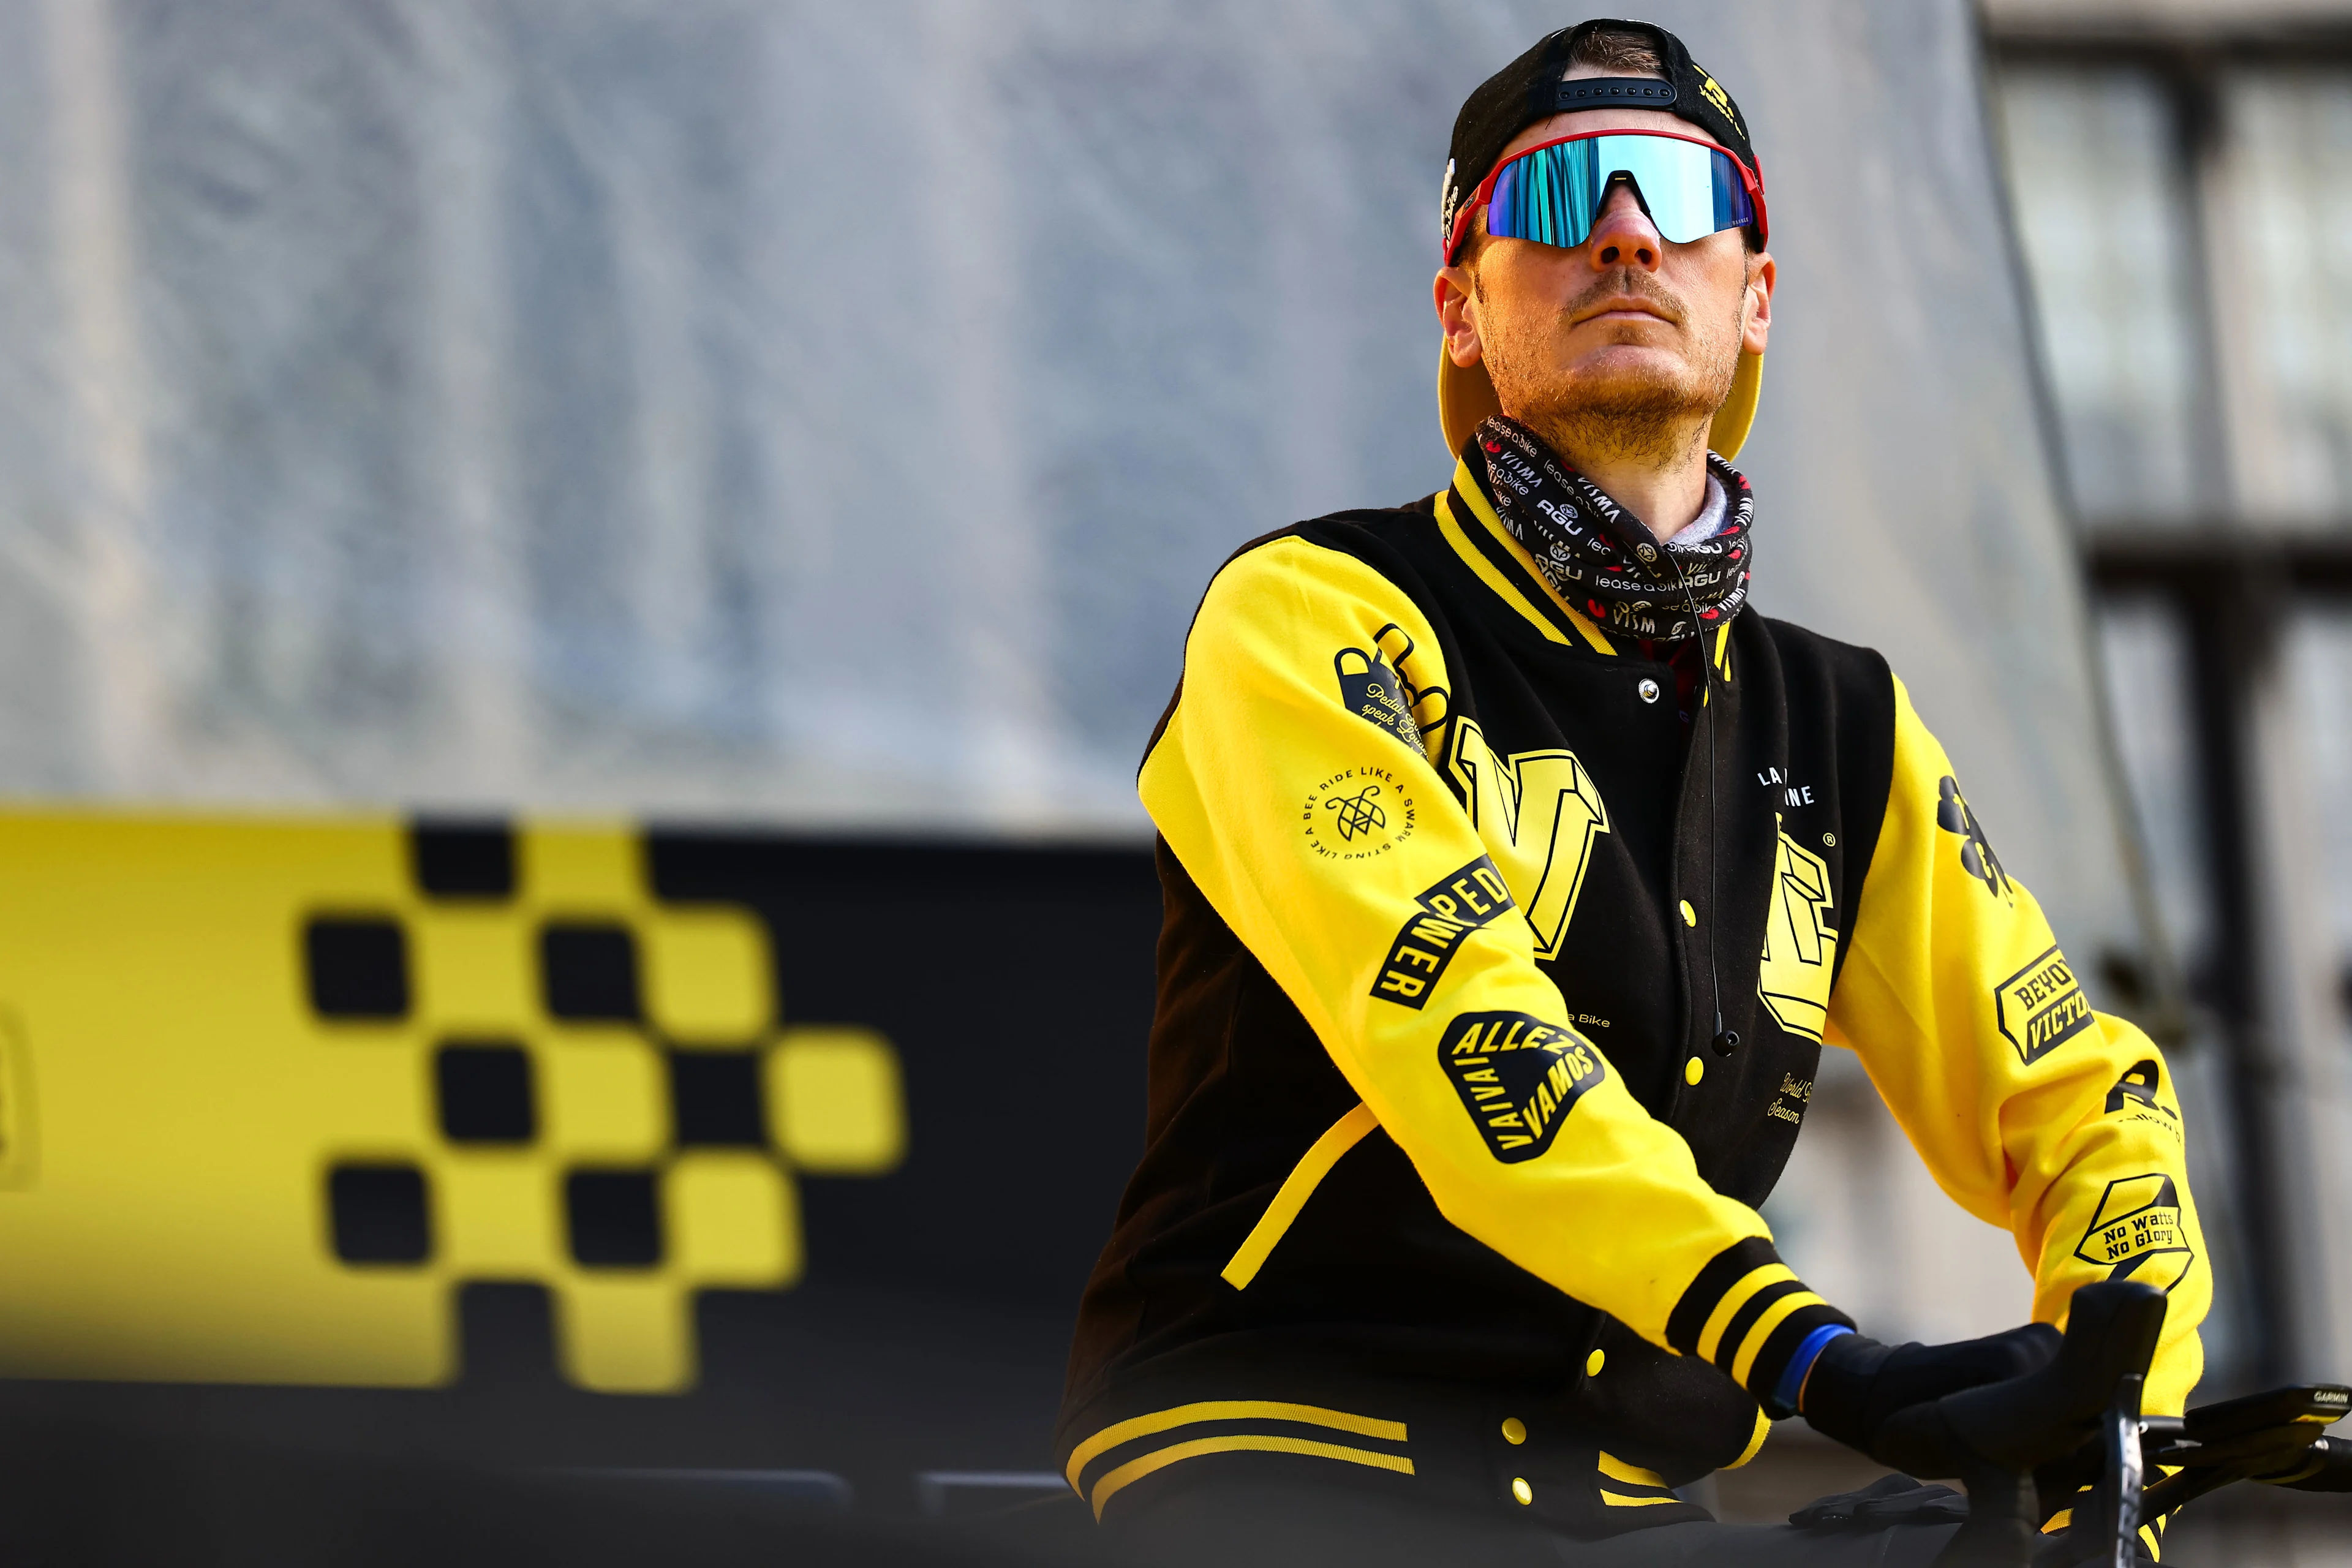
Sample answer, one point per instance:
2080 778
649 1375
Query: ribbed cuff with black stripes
1747 1312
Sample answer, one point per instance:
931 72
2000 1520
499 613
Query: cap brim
1466 396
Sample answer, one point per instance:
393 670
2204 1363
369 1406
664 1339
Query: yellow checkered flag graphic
270 1091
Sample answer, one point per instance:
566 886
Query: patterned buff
1598 556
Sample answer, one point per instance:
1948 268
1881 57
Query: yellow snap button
1594 1362
1693 1070
1521 1491
1515 1431
1690 915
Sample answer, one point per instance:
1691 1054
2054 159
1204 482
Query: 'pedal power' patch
1519 1077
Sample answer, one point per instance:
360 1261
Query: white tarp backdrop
829 416
826 414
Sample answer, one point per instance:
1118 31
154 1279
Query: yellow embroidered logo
2041 1007
2138 1230
1795 1094
1538 813
1800 943
1713 92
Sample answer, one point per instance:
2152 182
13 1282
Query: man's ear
1756 306
1454 293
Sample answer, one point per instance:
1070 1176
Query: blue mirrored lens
1552 195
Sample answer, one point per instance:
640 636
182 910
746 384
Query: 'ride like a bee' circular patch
1358 813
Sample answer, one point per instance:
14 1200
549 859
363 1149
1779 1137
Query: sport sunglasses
1551 192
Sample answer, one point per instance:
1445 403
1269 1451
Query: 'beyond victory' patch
2041 1007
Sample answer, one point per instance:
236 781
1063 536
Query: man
1515 876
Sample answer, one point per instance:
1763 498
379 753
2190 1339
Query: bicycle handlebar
2027 1446
1993 1439
2325 1466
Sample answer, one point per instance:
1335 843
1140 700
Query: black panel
484 1089
614 1218
357 966
590 972
1017 986
716 1097
463 860
506 1337
379 1214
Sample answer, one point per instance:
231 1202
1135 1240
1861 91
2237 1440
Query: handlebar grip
2111 1334
1993 1436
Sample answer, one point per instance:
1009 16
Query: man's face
1627 329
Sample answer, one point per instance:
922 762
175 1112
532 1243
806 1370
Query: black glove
1856 1382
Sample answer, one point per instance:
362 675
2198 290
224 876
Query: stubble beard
1640 412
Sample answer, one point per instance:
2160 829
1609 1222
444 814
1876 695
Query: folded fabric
1889 1500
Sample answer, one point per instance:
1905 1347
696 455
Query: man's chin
1620 404
1623 368
1644 383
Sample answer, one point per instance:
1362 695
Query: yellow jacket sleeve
2035 1113
1292 781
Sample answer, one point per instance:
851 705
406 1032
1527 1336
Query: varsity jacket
1445 1188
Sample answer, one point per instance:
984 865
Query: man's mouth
1620 307
1627 297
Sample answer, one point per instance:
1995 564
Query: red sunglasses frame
1752 179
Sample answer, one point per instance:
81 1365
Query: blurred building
2179 184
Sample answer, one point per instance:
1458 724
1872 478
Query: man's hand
1989 1411
1856 1382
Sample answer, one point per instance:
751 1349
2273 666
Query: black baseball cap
1533 87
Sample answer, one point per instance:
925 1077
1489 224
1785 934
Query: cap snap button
1521 1491
1693 1070
1648 689
1595 1362
1690 915
1645 552
1515 1431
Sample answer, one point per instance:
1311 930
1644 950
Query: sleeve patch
2134 1097
1370 689
2136 1232
1519 1078
1954 815
2041 1007
1450 911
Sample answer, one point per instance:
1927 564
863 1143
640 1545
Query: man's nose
1622 235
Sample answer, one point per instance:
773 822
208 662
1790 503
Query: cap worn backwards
1534 86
